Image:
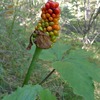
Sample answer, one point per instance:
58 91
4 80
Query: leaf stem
32 65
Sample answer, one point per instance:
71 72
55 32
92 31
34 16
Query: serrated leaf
46 95
79 80
28 92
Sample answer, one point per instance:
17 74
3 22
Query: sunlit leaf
81 83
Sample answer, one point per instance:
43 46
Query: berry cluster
49 22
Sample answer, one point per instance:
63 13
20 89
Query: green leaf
81 58
60 49
28 92
81 83
56 52
79 54
92 69
47 55
46 95
78 69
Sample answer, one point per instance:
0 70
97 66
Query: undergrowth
15 60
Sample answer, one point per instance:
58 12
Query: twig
92 20
47 77
94 38
91 17
51 80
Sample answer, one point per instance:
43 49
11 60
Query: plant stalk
32 65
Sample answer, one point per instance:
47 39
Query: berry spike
47 30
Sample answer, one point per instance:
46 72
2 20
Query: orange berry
47 15
56 27
55 20
43 16
50 18
49 28
58 16
56 23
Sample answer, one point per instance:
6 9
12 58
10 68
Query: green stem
14 18
32 65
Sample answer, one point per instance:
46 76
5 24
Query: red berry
50 11
43 8
57 11
56 4
47 5
52 4
53 15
